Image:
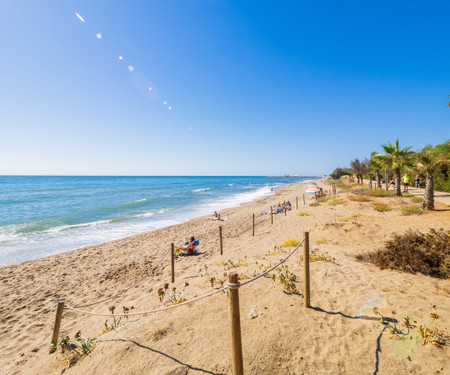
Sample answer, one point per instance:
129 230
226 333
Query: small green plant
287 279
381 207
416 199
291 242
319 241
175 297
314 204
302 213
407 195
393 328
411 210
322 199
172 296
336 201
434 335
82 343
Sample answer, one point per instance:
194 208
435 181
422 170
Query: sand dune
339 334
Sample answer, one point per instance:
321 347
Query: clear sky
255 87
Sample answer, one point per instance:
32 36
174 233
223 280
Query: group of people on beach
277 208
406 181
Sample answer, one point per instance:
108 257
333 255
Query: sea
46 215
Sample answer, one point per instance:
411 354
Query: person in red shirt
186 249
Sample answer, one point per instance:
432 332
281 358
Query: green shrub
381 207
417 199
411 210
302 213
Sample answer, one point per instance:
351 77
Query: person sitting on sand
215 216
186 249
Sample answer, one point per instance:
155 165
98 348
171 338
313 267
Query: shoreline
66 237
31 289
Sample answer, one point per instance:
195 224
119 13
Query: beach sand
339 334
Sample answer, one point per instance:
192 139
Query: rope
124 290
229 285
148 311
275 266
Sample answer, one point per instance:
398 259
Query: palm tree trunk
378 179
398 190
428 197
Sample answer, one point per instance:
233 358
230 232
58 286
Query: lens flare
131 68
150 88
99 36
79 17
164 102
120 57
170 108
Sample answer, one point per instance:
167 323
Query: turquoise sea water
45 215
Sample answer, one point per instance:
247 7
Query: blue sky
255 87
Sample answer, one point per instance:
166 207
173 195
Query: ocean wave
200 190
230 185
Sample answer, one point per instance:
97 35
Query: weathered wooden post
296 203
271 214
236 339
306 267
304 199
57 325
172 264
253 226
220 240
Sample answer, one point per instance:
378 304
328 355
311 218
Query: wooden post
236 339
296 203
57 325
285 210
253 226
220 240
271 215
172 264
304 199
306 267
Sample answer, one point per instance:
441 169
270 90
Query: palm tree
430 161
376 165
396 159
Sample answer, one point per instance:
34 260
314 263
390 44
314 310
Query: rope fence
232 285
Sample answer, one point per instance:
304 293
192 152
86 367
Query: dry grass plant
336 201
302 213
319 241
358 198
411 210
381 207
414 252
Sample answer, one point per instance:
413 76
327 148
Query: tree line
431 164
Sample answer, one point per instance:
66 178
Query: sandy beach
339 334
